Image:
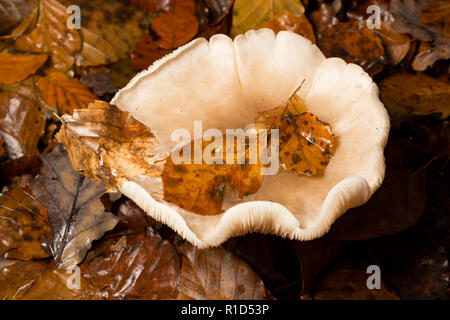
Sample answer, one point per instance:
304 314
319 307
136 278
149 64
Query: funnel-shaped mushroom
225 83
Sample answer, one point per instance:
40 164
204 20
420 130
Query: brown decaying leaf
100 82
13 13
21 226
51 34
165 5
298 24
21 125
132 218
323 18
353 42
34 280
146 52
175 28
214 17
407 19
209 179
135 267
217 274
76 214
306 143
109 29
10 169
115 141
16 66
406 94
64 94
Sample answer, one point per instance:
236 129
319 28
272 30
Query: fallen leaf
27 88
64 94
146 52
323 18
30 280
175 28
16 167
306 143
406 94
217 9
21 124
13 13
115 142
355 43
76 215
109 29
51 34
133 218
397 44
135 267
16 66
21 226
427 55
218 275
254 14
165 5
122 72
298 24
209 179
100 83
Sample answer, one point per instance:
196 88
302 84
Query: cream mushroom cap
225 83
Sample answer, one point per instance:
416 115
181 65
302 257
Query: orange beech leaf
16 66
175 27
146 52
51 34
295 23
64 94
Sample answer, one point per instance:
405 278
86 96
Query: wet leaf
209 179
64 94
295 23
406 94
135 267
254 14
110 30
20 166
21 124
306 143
323 18
100 83
30 280
355 43
175 28
146 52
115 141
16 66
21 226
165 5
51 34
76 214
216 274
133 218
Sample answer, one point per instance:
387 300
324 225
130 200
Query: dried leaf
51 34
254 14
435 11
427 55
397 44
64 94
175 28
13 13
100 83
216 274
199 188
21 124
115 142
407 94
295 23
306 143
109 29
146 52
16 66
21 226
355 43
135 267
30 280
75 211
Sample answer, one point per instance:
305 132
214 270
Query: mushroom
225 83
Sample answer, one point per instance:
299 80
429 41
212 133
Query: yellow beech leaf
306 143
199 188
254 14
63 93
16 66
106 144
51 34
